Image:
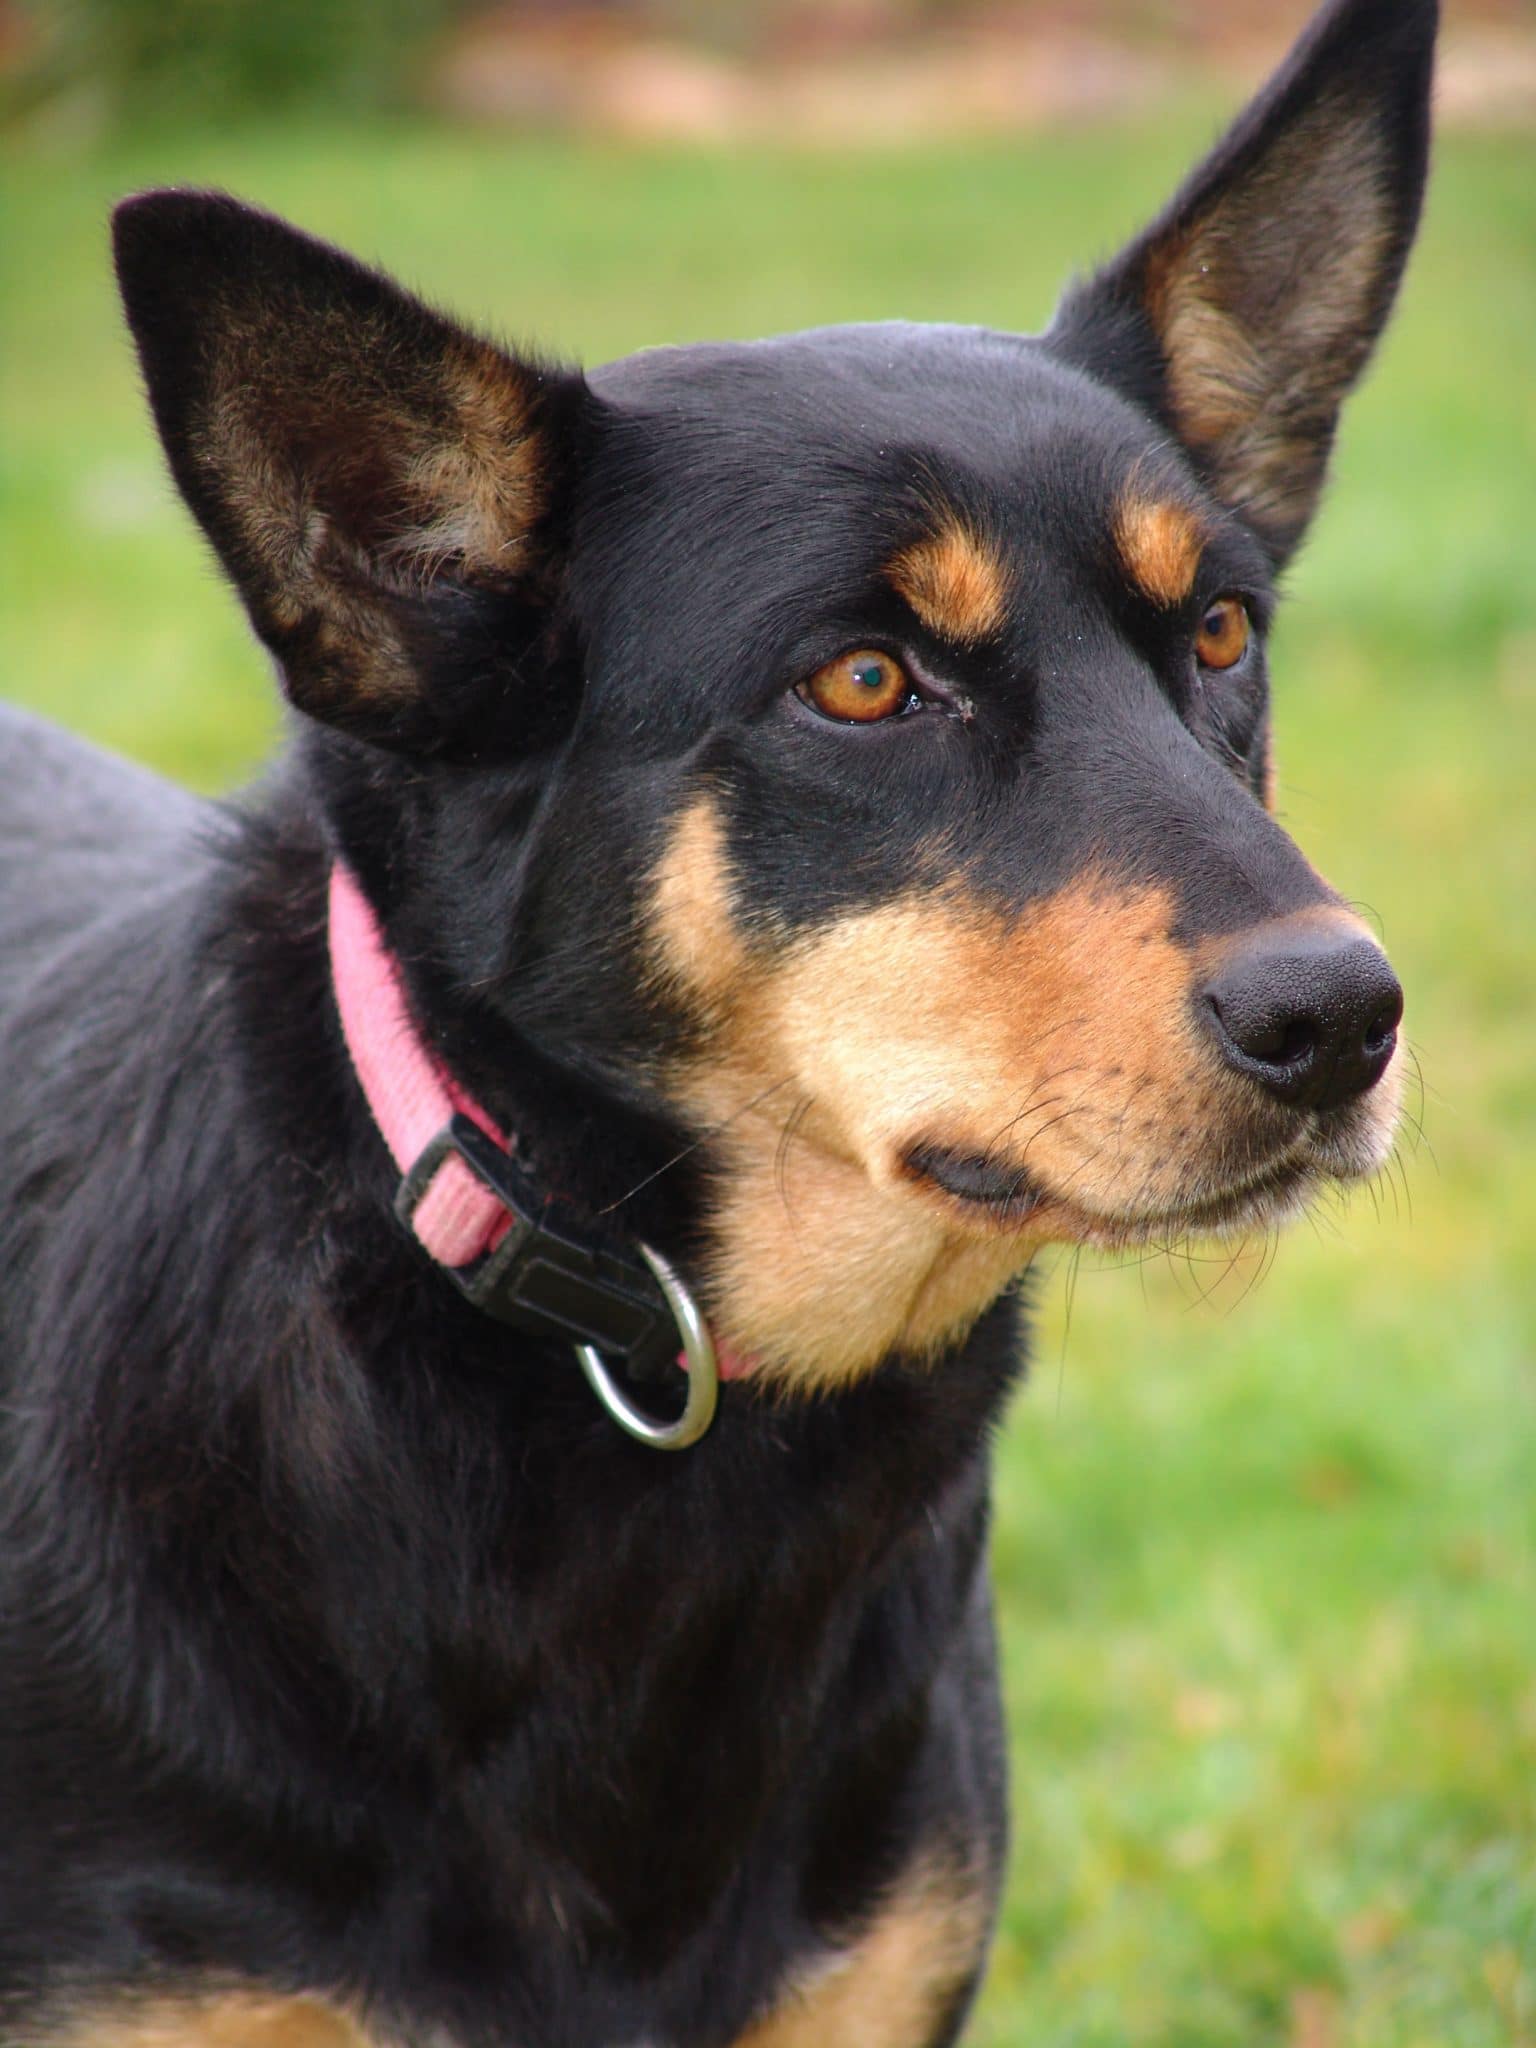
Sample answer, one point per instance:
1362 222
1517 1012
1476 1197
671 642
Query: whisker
787 1135
1073 1266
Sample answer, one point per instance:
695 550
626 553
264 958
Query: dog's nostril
1298 1042
1273 1041
1282 1044
1382 1029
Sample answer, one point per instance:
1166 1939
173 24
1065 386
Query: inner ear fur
1246 312
383 486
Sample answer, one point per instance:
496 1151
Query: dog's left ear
384 488
1244 314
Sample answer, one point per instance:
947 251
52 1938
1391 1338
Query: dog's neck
477 1214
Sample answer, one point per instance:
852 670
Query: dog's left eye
1222 640
859 688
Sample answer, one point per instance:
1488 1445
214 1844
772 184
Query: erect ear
384 488
1245 313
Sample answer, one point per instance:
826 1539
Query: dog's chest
890 1987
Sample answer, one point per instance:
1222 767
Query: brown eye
1223 636
858 688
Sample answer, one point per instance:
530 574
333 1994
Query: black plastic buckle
546 1275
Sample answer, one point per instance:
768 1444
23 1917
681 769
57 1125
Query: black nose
1309 1014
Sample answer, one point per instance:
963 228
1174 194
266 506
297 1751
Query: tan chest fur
888 1988
895 1984
235 2019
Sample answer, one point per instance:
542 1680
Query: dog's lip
1240 1201
1259 1196
983 1184
994 1192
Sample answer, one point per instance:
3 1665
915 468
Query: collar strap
517 1253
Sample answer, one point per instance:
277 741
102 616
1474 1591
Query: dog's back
82 835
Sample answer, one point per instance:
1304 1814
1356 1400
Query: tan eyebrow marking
1160 542
954 581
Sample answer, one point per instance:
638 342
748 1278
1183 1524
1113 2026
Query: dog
771 835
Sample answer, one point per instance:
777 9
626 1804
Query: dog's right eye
859 688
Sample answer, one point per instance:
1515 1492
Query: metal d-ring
703 1371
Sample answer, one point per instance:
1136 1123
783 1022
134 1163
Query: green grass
1267 1560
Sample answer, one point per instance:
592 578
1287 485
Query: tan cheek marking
954 582
696 950
894 1986
939 1018
804 1243
1160 544
236 2020
1061 1042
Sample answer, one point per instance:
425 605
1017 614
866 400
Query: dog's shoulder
59 790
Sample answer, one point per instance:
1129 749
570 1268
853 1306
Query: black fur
345 1646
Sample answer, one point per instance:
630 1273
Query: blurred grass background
1266 1535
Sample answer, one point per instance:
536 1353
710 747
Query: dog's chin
1266 1200
988 1198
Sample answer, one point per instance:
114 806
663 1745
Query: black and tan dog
801 806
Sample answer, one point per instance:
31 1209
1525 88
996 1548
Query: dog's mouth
1266 1196
996 1196
989 1186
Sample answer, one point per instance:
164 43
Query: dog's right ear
384 488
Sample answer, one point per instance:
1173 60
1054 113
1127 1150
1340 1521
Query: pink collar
457 1217
411 1093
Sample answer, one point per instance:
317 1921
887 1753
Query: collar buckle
545 1274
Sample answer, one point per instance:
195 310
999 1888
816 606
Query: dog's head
849 749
